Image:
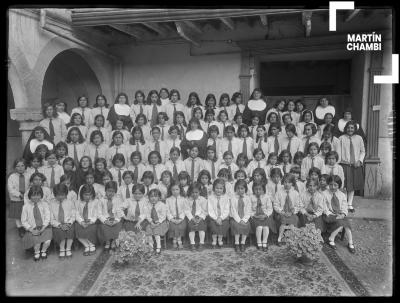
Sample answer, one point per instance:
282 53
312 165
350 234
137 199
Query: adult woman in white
194 136
322 109
120 109
256 106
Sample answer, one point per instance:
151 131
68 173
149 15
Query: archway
67 77
13 133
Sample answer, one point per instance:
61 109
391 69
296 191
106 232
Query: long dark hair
132 139
105 101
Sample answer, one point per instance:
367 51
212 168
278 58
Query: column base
371 184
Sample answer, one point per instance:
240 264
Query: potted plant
304 243
132 248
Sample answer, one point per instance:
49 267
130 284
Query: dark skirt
177 230
159 230
15 209
60 235
131 225
292 220
353 177
219 229
268 221
29 240
107 233
239 229
318 222
201 226
332 223
89 232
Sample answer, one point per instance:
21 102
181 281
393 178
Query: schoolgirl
136 166
327 136
164 96
52 171
99 126
237 121
222 122
228 164
100 168
53 125
181 124
278 108
155 165
258 160
124 192
100 107
242 163
271 118
192 102
214 140
165 182
300 107
117 146
291 110
184 181
141 121
61 109
273 142
309 137
255 120
212 163
237 105
35 165
61 149
174 138
136 217
77 121
211 103
313 205
154 106
137 142
148 182
285 160
38 179
174 105
118 168
204 180
272 162
261 140
175 164
193 164
139 106
307 118
324 148
225 175
230 142
209 120
246 144
156 144
76 145
84 110
328 122
275 185
300 187
96 148
257 176
163 125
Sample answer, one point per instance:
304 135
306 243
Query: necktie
312 162
135 175
109 208
51 128
194 208
21 183
259 143
288 204
175 172
155 174
279 117
116 150
52 177
208 126
306 146
192 170
258 165
218 207
276 145
176 209
137 211
173 143
141 109
101 111
148 189
154 215
76 160
241 208
128 193
174 109
352 155
36 170
259 209
96 154
312 202
83 115
230 146
157 146
284 168
230 169
162 133
244 147
276 188
237 109
252 130
182 132
60 214
154 115
86 211
137 145
215 144
335 204
37 215
288 146
331 171
212 170
296 187
119 177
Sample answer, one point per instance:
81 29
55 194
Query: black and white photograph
202 151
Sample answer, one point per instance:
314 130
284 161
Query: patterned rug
216 273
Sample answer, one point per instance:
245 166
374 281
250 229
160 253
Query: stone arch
17 87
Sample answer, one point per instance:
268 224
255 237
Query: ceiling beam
351 15
264 20
162 31
306 17
228 22
195 27
186 33
92 17
129 30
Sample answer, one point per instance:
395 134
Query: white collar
257 105
121 109
194 135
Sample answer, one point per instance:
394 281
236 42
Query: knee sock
214 239
220 239
108 243
84 242
174 241
150 241
18 223
334 233
202 236
191 237
281 230
89 243
244 237
62 245
179 240
265 231
37 248
69 244
158 241
349 235
46 245
350 196
237 239
259 231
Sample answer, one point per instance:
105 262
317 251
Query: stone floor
370 269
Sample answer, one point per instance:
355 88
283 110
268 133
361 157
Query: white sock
191 237
202 236
350 196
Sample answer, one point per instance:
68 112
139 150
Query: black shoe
213 246
351 249
259 246
342 235
192 247
242 247
220 245
280 243
21 231
352 210
333 246
200 247
237 248
265 248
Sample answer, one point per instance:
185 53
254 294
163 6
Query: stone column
245 76
28 119
372 160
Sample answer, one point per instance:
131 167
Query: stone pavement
372 264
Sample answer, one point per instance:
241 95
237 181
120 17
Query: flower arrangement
132 248
304 242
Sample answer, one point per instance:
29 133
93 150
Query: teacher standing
256 106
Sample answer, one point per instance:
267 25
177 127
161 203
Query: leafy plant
132 248
304 242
